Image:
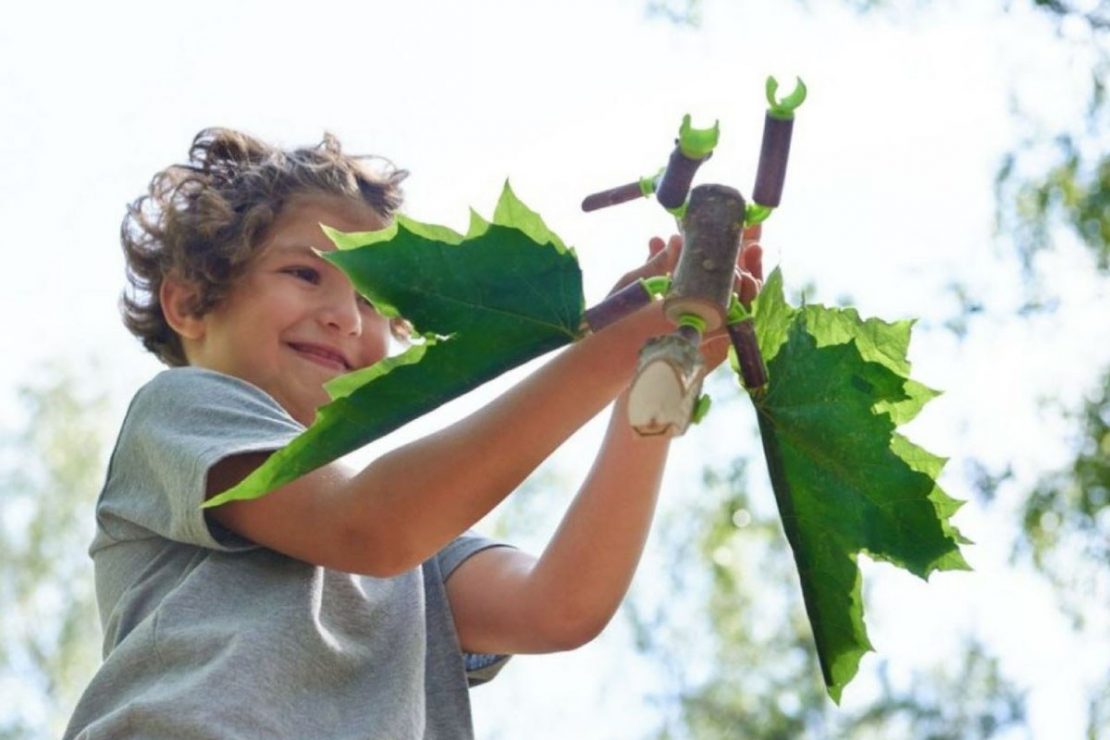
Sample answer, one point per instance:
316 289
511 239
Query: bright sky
888 200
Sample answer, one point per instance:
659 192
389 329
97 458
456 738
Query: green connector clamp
736 311
656 286
648 183
784 109
694 321
756 214
697 143
701 408
679 212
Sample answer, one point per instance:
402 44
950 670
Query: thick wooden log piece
704 277
667 384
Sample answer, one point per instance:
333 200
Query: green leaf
486 302
773 316
512 212
845 482
877 341
345 385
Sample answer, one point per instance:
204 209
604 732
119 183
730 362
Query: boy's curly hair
203 221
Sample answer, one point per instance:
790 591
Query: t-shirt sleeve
462 547
179 425
480 667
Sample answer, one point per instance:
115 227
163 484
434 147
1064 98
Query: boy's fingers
663 256
749 288
751 260
752 234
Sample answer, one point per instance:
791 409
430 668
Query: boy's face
294 321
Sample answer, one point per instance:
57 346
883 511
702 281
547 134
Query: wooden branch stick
668 383
613 196
615 307
668 379
744 342
703 279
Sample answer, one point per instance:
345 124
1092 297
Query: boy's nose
342 312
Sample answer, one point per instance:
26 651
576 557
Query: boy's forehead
332 210
299 250
296 231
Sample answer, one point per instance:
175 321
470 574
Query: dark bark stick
676 180
616 306
690 334
744 342
773 155
613 196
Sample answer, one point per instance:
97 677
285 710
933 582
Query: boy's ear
177 299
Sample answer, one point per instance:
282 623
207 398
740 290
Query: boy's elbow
572 631
377 553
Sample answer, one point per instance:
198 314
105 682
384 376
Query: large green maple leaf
483 303
844 480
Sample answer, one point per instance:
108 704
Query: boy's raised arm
407 504
505 601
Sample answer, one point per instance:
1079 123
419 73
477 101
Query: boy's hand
749 265
663 258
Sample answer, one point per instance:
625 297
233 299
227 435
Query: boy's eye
307 274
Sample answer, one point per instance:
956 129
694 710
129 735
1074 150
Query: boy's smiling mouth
321 355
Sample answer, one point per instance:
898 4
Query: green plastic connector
693 320
756 214
680 212
697 143
648 183
701 408
736 311
784 108
657 286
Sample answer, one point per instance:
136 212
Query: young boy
349 603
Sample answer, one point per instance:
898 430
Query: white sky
888 199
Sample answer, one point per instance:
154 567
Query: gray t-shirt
207 635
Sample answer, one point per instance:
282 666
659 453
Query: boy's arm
505 601
409 503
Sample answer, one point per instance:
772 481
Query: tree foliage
50 470
1052 187
732 642
1066 517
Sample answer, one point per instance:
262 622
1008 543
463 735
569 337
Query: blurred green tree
1051 188
740 660
51 467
